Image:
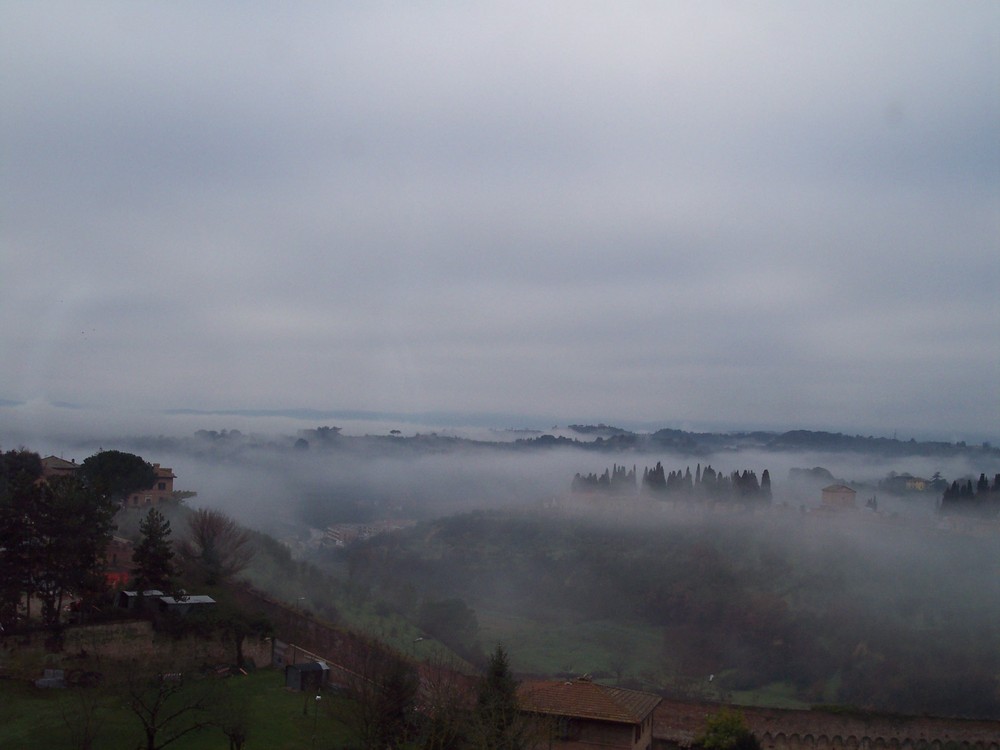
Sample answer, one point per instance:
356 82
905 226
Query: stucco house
586 714
53 466
838 497
162 489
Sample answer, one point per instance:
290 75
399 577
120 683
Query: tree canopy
727 730
53 535
115 474
216 547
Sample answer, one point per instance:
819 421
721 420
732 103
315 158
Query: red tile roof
583 699
163 473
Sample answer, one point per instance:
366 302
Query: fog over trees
651 560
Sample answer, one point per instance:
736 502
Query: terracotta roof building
585 714
53 466
162 489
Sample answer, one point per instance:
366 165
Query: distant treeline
616 480
599 438
981 499
682 442
703 484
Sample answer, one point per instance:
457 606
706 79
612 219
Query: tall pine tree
154 555
497 722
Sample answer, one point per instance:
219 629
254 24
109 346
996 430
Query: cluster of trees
386 693
453 622
707 483
618 479
54 531
981 499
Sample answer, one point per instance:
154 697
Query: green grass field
629 653
605 649
35 718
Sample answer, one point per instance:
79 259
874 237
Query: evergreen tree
983 485
497 724
154 555
19 498
53 534
654 479
73 527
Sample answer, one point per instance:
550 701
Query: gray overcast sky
754 214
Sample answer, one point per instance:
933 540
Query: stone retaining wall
96 647
678 723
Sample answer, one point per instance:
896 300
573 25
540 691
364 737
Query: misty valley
630 558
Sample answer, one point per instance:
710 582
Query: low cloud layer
764 216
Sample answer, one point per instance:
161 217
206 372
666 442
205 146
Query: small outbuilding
136 599
182 605
311 675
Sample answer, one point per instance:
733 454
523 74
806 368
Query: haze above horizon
709 217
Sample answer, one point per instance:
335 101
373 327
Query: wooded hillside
874 616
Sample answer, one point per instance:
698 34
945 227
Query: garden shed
311 675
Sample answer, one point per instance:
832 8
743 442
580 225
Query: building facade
839 497
162 489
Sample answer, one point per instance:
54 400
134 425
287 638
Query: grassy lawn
604 649
777 694
31 717
610 651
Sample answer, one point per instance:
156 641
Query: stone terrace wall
298 627
677 724
86 646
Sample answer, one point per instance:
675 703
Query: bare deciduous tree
168 705
84 717
384 691
216 547
444 703
232 716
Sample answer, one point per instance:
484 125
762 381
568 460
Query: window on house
566 729
161 486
